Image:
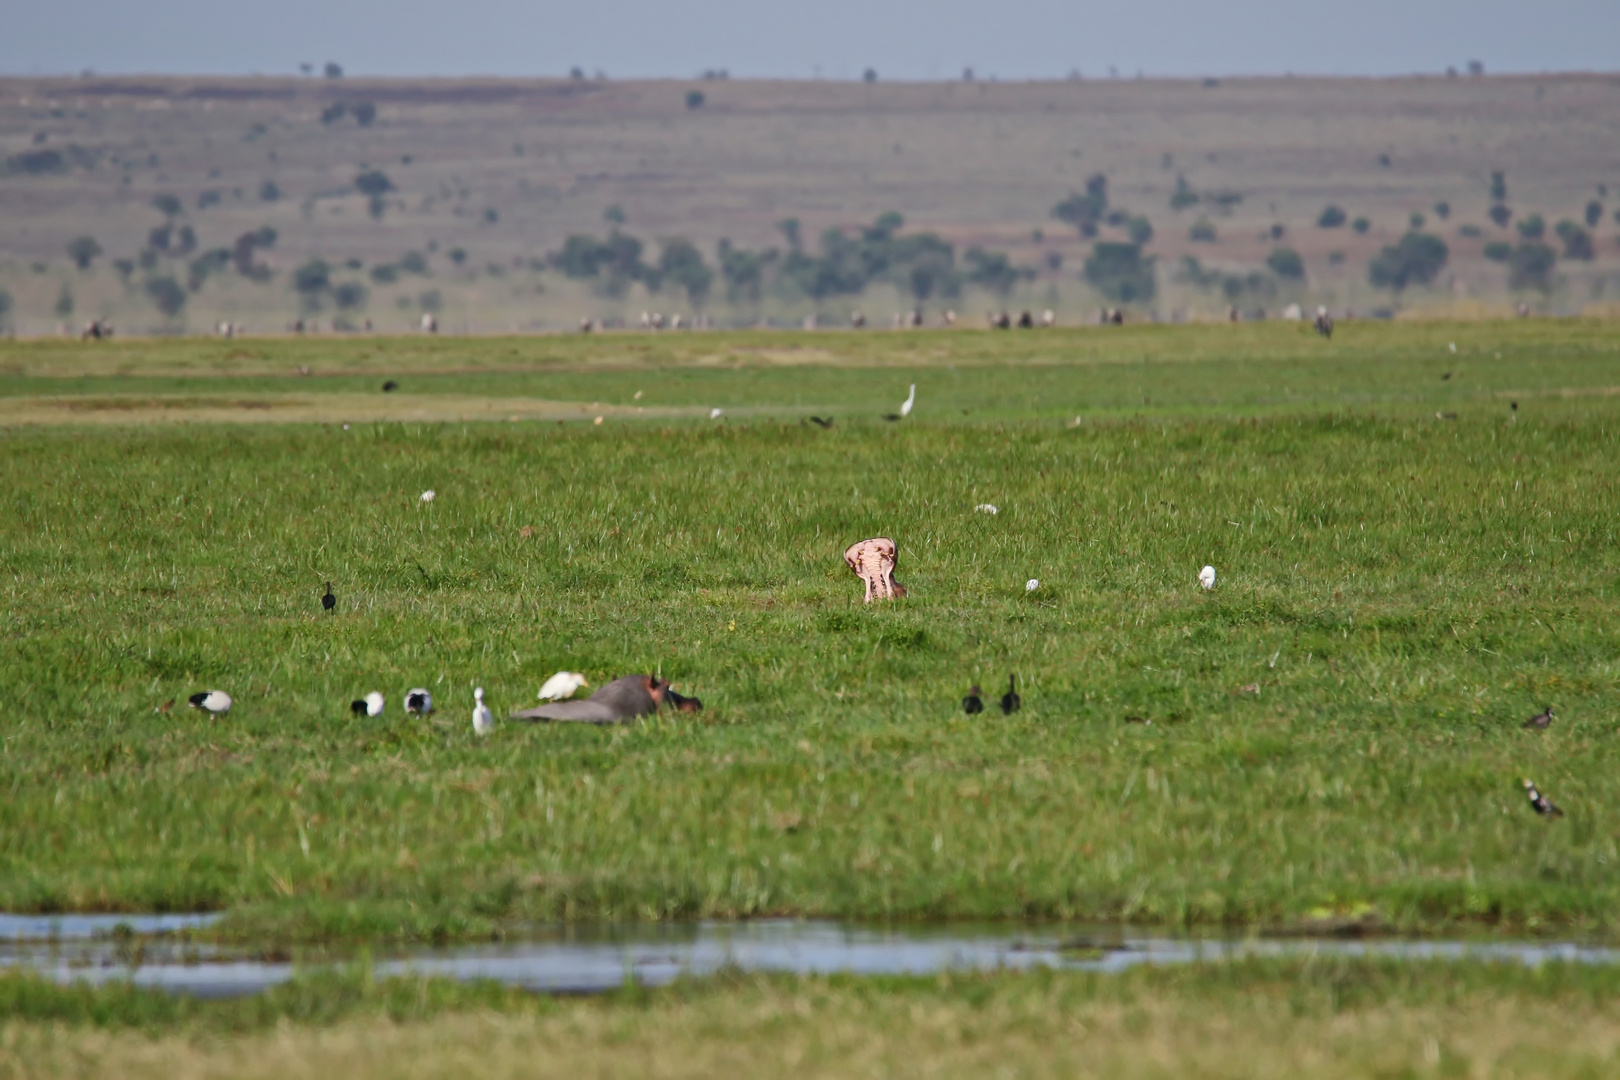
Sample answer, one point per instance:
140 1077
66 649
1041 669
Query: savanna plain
1413 528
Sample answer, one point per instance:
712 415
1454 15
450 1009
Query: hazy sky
902 39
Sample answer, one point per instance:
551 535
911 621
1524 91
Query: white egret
986 508
1032 584
911 399
715 414
562 685
429 495
483 719
1206 577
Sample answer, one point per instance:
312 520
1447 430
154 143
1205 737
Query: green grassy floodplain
1398 589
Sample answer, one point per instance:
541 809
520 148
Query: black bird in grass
390 386
1540 803
1541 720
1010 701
820 422
1446 377
974 702
328 601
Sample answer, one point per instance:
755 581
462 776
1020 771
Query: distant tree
1471 231
384 274
1139 229
168 205
6 305
1360 225
1594 214
694 99
869 75
202 266
744 271
458 255
64 301
1120 272
1498 251
1500 215
1385 160
1532 227
350 295
184 242
431 300
1331 217
375 186
166 295
681 264
614 215
208 198
491 215
365 113
992 270
1415 220
1498 186
1416 259
333 71
413 262
334 112
1277 229
1476 68
1286 263
269 191
1202 231
577 74
1577 241
83 251
1442 210
1184 196
789 228
125 268
312 279
1532 266
1054 261
1083 212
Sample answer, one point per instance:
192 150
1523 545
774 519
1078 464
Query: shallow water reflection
594 959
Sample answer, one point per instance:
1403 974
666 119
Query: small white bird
1453 346
418 702
483 719
429 495
562 685
1032 584
217 702
715 414
911 399
1206 577
370 705
986 508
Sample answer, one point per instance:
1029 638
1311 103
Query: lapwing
1542 720
1540 803
217 702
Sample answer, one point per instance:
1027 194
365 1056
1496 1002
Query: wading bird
418 702
1540 803
562 685
483 719
429 495
217 702
1206 577
1541 720
1010 701
974 702
911 399
370 705
328 601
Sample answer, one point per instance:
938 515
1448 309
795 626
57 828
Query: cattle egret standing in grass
562 685
1206 577
428 495
911 399
986 508
370 705
1453 346
483 719
217 702
418 702
715 414
1032 584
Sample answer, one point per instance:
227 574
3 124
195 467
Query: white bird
428 495
1206 577
1032 584
911 399
418 702
371 704
217 702
483 719
986 508
562 685
715 414
1453 346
